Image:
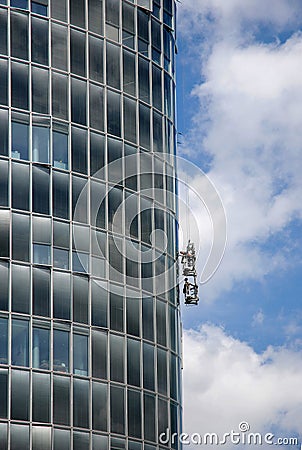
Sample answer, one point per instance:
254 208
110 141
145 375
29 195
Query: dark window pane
21 229
99 405
117 410
99 354
41 291
99 442
61 439
41 397
19 437
3 396
117 355
40 144
59 46
3 32
80 355
99 299
144 126
61 400
161 323
61 195
134 414
20 288
96 104
148 319
78 101
59 9
4 233
162 416
96 59
3 132
61 351
19 85
37 8
23 4
80 403
20 135
113 65
39 41
113 113
162 371
133 362
19 35
156 88
112 12
133 316
79 150
79 208
4 344
78 53
60 149
149 417
144 82
95 16
20 395
148 357
130 119
80 441
3 82
40 90
97 149
20 186
40 348
129 72
4 280
20 343
41 183
116 312
61 295
80 299
59 96
77 13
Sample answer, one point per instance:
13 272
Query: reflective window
61 195
98 205
4 283
40 144
116 312
97 149
40 399
80 403
38 8
173 376
144 81
115 167
162 416
99 442
99 354
20 398
61 258
161 323
3 82
129 73
61 401
3 32
41 438
20 186
39 40
61 351
157 132
117 355
96 105
149 417
20 135
20 288
19 437
4 233
19 35
99 301
40 355
80 299
60 149
80 441
148 362
162 371
148 319
99 406
134 414
59 9
40 188
78 101
40 90
19 86
61 439
80 354
59 96
130 119
77 13
23 4
113 113
3 132
79 191
133 316
144 126
59 45
42 254
133 362
3 396
115 198
61 295
4 345
96 58
117 410
79 150
41 292
21 239
78 53
113 65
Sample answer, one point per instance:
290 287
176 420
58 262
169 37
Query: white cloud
249 121
226 382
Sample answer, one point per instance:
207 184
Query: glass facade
89 315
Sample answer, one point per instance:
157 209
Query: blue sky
240 118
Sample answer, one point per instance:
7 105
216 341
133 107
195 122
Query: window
41 398
79 192
21 239
78 101
41 292
117 410
61 401
4 344
61 195
3 396
78 13
20 399
59 44
20 342
40 90
80 299
4 283
61 351
60 96
40 187
60 149
99 354
117 355
59 9
39 7
96 105
20 135
133 362
3 131
133 316
96 58
130 119
20 289
129 72
40 144
40 356
99 301
79 150
3 32
61 439
149 417
134 414
19 437
4 233
144 80
19 35
162 371
80 403
3 82
116 312
19 82
78 53
113 66
97 150
161 323
20 186
148 363
80 354
113 113
61 295
148 320
99 406
41 438
39 39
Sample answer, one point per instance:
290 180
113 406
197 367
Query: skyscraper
89 320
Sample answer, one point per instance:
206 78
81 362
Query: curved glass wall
89 319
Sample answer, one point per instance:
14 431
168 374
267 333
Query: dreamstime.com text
241 437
